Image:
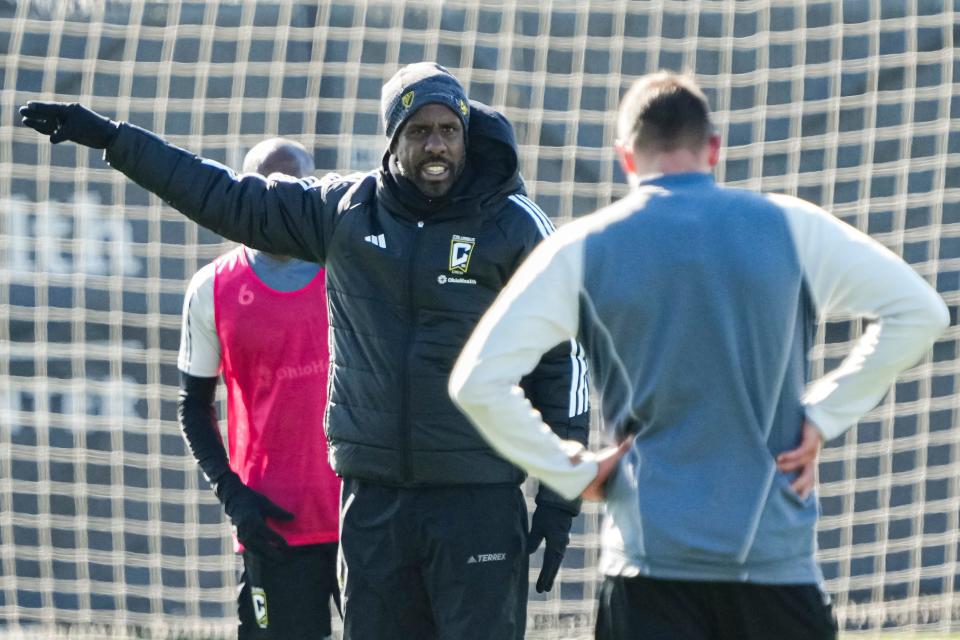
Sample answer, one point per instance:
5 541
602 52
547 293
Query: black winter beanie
416 85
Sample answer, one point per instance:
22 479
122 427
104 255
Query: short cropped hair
662 112
278 155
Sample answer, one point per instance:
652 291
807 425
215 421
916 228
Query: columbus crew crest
461 249
407 99
259 598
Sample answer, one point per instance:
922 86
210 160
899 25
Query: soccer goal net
105 521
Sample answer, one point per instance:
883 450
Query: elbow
936 318
943 317
183 407
470 391
926 318
460 388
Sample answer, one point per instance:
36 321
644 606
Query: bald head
278 155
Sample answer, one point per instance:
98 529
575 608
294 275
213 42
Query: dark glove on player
248 511
69 121
552 524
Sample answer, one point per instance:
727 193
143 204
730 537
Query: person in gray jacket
697 305
434 533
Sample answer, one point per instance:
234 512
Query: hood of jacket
491 171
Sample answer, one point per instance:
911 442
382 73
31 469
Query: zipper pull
420 224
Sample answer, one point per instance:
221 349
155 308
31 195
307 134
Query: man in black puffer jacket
434 525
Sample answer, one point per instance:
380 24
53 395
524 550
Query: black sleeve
197 414
557 387
287 217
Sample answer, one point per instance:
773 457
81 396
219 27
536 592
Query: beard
426 186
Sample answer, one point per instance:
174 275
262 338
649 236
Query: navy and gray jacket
405 287
697 306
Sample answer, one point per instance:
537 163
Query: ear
713 156
625 155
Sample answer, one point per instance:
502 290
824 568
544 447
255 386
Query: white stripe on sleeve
578 380
544 224
538 309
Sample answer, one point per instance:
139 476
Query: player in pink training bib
260 320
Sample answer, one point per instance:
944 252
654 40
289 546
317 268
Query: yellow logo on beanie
407 99
463 107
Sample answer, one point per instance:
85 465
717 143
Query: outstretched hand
803 459
69 121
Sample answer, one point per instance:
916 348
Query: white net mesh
104 518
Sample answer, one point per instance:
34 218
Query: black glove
247 510
552 524
69 121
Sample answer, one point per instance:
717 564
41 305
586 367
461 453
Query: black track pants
651 609
440 563
289 598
